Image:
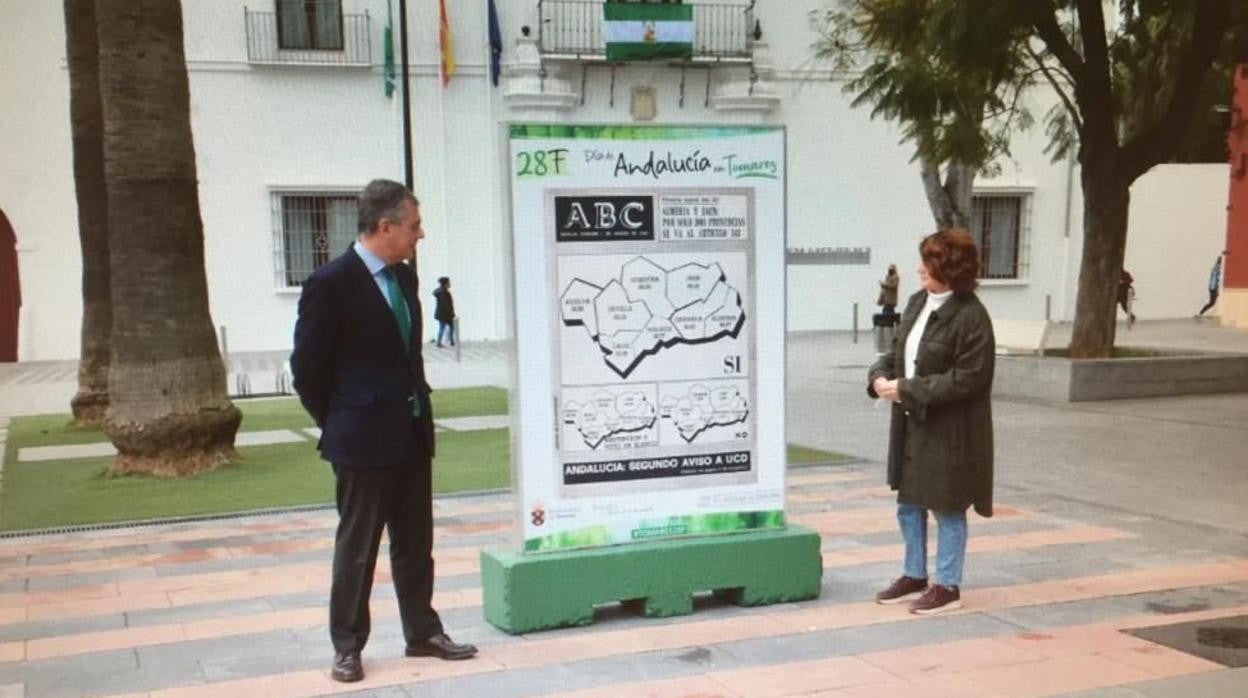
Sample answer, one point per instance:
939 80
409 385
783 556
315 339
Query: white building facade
290 120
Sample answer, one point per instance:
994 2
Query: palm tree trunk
87 128
169 413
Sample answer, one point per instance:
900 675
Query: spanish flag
444 42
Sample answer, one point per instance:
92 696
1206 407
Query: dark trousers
1213 298
399 499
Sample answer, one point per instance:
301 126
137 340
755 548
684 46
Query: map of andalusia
607 414
650 308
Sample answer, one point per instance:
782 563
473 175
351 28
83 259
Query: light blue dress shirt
376 267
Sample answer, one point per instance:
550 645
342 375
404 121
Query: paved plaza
1116 565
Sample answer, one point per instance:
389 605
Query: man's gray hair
382 198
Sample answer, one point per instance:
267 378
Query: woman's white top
934 301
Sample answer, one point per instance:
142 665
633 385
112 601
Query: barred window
311 228
999 226
309 24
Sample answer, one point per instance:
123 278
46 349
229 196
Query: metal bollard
855 323
225 349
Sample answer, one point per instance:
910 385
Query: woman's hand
886 389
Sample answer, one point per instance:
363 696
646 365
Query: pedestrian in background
938 375
1215 285
1126 295
444 311
888 291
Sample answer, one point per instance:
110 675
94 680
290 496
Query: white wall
1177 228
36 177
257 128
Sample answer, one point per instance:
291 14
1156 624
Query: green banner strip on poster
675 526
633 133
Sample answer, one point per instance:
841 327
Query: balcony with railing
308 32
572 29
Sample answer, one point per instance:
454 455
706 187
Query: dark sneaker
902 589
937 599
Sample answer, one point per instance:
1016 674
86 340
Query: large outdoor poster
649 267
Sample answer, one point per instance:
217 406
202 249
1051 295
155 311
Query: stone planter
1068 380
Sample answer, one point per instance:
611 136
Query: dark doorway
10 291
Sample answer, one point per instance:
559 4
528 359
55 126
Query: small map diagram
650 308
607 414
702 407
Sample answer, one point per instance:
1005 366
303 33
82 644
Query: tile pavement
255 624
1112 517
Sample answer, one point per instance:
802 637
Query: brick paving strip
124 537
324 524
1035 663
456 557
76 542
147 635
531 653
179 590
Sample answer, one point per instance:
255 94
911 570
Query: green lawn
802 455
80 491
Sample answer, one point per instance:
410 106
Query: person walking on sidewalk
1215 285
938 375
444 311
359 373
1126 295
888 291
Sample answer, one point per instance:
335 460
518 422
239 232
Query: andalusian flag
444 43
388 73
645 31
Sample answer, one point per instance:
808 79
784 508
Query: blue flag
496 44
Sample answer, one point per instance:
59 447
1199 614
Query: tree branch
1071 108
1051 34
1155 144
937 198
1095 44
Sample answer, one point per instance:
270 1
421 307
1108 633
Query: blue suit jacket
351 370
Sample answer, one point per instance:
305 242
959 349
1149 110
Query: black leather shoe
347 667
442 647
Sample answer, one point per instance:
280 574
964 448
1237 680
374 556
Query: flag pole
407 101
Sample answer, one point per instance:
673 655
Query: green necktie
398 306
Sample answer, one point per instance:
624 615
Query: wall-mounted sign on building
828 255
650 331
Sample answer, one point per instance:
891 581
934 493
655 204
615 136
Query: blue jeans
950 543
446 331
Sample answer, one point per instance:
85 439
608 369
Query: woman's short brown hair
951 258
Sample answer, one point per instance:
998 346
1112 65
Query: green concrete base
523 593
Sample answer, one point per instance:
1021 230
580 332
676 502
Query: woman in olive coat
938 375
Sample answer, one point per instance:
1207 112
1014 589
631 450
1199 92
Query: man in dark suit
359 372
